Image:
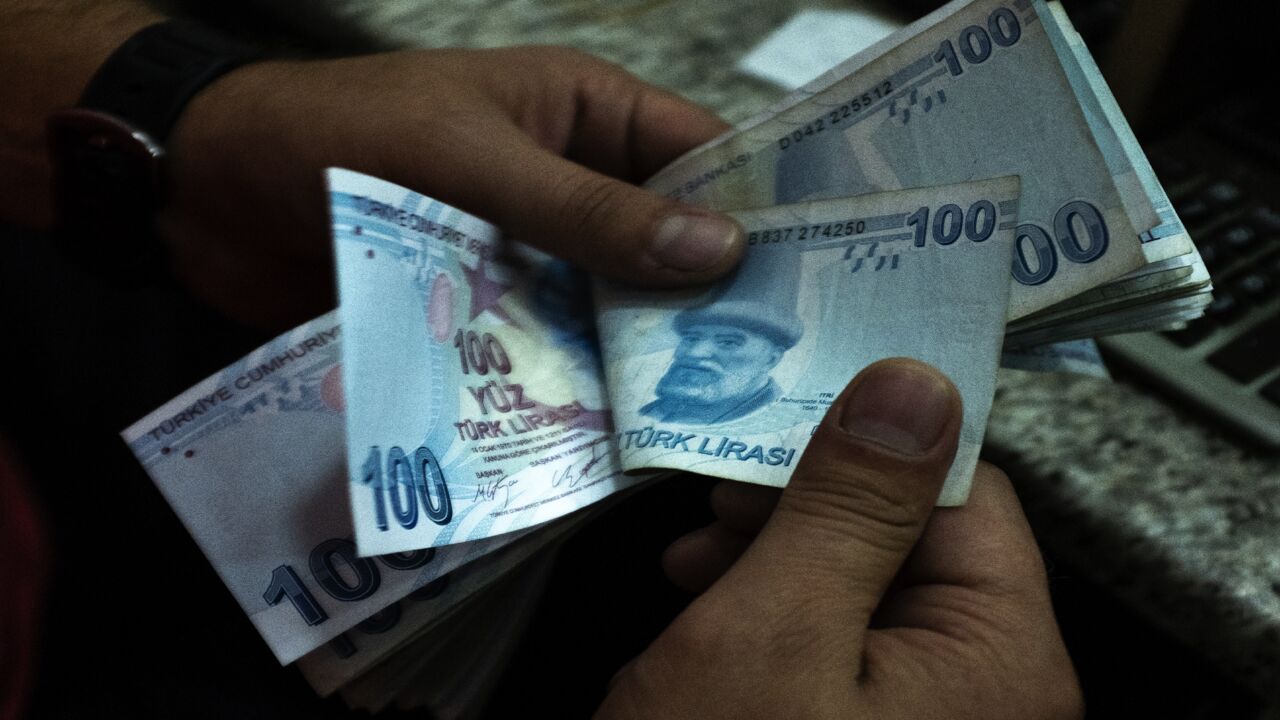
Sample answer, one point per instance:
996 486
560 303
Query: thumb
855 506
604 225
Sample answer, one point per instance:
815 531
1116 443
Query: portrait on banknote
721 367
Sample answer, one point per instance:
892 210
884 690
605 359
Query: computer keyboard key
1192 211
1223 193
1266 218
1212 256
1271 391
1251 355
1172 170
1253 288
1193 333
1238 239
1225 308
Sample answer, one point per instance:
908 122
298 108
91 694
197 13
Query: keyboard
1223 177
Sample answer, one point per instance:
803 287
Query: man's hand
857 599
543 142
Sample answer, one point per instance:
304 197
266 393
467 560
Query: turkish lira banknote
384 635
732 381
977 89
451 670
253 461
476 402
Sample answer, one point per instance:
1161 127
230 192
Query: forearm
48 51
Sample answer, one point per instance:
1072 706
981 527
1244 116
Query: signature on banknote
594 466
489 491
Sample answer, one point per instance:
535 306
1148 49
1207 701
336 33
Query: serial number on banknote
943 225
974 46
844 111
801 233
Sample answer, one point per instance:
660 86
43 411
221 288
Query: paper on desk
813 41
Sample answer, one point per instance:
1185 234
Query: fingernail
694 241
904 406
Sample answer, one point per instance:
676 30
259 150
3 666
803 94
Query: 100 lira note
253 461
475 398
977 89
732 381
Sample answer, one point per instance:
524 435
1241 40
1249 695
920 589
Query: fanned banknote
475 397
403 623
451 671
252 460
977 89
732 381
1079 357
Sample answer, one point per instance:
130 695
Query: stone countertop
1179 521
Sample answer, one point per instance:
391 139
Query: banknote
1080 357
977 89
253 461
475 397
450 670
386 634
731 381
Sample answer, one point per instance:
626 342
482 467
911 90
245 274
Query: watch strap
108 152
149 79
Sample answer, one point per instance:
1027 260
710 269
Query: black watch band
108 151
149 79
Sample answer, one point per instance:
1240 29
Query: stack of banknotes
372 484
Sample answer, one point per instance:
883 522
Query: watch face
103 168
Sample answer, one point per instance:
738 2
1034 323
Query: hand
857 599
540 141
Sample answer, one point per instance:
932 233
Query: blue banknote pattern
476 404
732 381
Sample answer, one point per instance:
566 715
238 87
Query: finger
983 551
630 129
596 222
508 168
696 560
986 544
855 506
597 113
743 507
617 230
976 585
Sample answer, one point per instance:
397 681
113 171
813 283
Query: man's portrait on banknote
721 367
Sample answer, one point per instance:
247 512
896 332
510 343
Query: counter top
1176 518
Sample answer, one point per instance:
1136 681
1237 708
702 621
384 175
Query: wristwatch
108 151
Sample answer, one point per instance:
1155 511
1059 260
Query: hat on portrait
761 297
720 370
